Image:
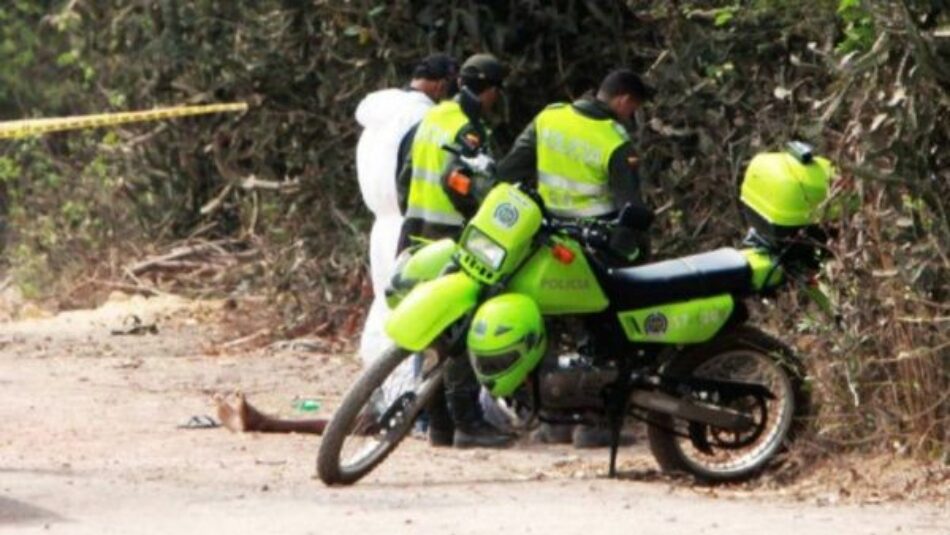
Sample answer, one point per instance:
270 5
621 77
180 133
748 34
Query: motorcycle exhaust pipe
688 410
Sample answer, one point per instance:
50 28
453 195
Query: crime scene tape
32 127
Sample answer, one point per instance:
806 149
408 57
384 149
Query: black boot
441 427
481 434
553 434
461 392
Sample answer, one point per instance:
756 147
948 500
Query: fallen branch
128 288
217 201
178 254
178 265
253 183
246 339
939 319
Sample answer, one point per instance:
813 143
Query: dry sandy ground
89 444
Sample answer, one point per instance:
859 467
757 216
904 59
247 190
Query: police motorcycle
554 328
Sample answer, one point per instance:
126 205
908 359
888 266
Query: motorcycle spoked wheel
716 455
373 419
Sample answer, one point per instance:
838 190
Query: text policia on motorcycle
528 284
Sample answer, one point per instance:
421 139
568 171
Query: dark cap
626 82
436 67
485 67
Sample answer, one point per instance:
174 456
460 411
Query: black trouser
457 405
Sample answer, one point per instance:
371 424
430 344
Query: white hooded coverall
386 116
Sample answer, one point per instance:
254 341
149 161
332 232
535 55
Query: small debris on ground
133 325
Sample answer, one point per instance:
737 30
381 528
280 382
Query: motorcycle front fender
430 308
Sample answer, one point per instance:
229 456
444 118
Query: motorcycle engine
575 384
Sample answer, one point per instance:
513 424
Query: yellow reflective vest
430 163
573 154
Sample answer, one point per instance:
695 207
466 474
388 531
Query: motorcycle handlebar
479 162
592 233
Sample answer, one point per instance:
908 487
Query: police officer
580 159
433 211
579 155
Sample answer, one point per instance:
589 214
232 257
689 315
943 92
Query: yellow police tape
32 127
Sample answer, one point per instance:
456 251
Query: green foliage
724 15
9 169
31 271
859 32
30 42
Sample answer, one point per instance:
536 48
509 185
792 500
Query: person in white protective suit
387 117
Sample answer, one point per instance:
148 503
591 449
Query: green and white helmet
506 341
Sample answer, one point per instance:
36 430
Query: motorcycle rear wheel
749 355
371 426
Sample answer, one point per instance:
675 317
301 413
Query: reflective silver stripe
557 181
434 217
432 177
591 210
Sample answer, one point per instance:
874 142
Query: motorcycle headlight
484 248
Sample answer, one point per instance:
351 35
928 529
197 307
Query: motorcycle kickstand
616 408
614 446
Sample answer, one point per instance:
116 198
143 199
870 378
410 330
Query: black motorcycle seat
716 272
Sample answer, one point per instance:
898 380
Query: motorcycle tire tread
660 437
356 398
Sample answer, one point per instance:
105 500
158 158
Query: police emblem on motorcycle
506 215
655 324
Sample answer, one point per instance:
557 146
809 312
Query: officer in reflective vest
579 155
434 211
580 159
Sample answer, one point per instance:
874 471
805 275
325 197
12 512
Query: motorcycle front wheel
716 455
377 412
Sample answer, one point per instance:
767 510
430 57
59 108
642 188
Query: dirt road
89 444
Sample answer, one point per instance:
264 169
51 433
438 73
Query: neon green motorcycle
557 330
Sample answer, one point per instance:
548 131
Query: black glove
627 244
635 216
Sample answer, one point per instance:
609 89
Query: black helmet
626 82
483 70
436 67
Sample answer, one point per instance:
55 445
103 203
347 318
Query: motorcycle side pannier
784 192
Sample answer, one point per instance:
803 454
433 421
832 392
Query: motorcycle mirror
635 216
802 151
